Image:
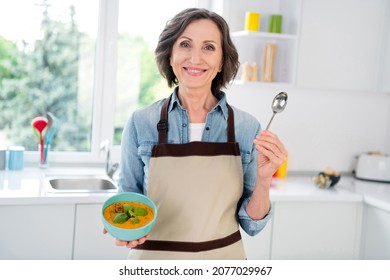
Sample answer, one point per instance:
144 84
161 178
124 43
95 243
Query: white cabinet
340 44
89 241
258 247
316 230
36 232
376 234
250 45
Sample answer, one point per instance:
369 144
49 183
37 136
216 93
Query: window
90 63
47 65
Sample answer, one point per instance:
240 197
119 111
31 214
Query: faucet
109 167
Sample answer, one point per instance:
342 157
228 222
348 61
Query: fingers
143 239
133 243
272 153
129 244
270 146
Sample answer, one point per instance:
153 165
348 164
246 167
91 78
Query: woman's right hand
129 244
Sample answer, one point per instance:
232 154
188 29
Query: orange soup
118 208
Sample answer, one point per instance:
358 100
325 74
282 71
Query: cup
3 158
16 158
252 21
275 23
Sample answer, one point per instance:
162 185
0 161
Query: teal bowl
129 234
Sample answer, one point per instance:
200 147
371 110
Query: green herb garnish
129 212
120 218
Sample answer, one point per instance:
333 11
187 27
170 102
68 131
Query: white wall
324 127
321 128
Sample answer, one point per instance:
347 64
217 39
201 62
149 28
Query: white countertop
373 193
302 188
28 187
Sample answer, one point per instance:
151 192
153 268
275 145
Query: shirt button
184 124
207 128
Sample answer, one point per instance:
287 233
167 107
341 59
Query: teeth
194 70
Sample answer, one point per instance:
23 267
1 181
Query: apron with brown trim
196 187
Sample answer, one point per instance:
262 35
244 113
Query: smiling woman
89 63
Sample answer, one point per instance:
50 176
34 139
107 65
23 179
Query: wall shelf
250 44
263 35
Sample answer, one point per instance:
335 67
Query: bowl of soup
129 216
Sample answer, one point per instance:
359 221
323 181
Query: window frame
104 86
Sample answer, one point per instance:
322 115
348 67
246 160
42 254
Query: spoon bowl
278 105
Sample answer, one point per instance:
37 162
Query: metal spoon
278 105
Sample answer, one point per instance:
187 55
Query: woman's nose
196 56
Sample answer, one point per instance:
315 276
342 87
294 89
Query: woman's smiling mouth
194 71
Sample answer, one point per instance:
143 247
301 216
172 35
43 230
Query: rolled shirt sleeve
250 226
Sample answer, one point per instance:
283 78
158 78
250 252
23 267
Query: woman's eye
184 44
210 47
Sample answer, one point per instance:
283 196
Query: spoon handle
273 115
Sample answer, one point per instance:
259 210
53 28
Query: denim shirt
140 135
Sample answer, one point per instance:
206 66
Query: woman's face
197 55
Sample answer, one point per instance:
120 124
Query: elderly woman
207 165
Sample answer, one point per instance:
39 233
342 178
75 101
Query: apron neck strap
162 125
231 134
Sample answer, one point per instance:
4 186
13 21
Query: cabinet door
89 242
340 44
36 232
376 243
258 247
316 230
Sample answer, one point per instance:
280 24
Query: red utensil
40 123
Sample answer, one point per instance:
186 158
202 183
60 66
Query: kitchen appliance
373 167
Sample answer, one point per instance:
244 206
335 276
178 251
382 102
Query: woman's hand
129 244
272 153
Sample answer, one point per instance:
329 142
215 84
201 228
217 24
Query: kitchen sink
80 183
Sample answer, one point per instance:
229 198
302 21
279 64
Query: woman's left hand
272 153
129 244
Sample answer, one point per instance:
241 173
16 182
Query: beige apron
196 187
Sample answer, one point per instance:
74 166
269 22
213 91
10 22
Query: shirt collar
222 103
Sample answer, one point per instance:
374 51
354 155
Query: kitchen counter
28 187
373 193
302 188
293 233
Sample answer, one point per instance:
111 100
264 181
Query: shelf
265 35
251 45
